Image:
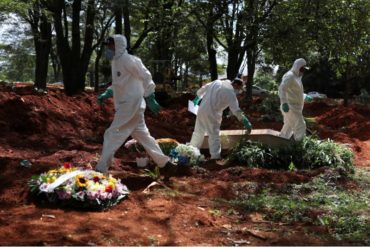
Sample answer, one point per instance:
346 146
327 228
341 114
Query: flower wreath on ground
186 154
79 187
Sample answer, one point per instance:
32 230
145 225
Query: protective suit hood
120 44
298 63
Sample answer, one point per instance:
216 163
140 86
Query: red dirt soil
51 129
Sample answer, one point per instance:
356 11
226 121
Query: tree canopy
181 42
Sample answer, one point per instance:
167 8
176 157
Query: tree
18 61
104 21
213 11
34 13
331 35
74 51
258 12
351 33
41 30
239 25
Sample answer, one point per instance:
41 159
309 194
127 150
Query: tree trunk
74 63
251 63
88 43
127 24
96 71
347 87
42 41
211 53
186 75
118 18
55 63
232 63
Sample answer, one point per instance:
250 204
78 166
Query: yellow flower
53 171
113 184
81 181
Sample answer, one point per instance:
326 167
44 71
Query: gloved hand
285 107
246 123
196 100
107 94
308 98
152 103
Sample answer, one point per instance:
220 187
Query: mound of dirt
352 120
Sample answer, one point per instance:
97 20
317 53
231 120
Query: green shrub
308 154
266 81
317 153
252 154
270 106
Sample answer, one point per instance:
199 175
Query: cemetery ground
224 203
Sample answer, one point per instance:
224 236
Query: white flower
190 152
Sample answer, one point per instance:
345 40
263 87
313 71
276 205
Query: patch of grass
310 153
322 201
155 174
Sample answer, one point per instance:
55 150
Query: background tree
74 41
214 11
104 20
34 13
331 35
258 12
41 29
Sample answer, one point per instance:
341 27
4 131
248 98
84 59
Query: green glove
285 107
246 123
107 94
152 103
196 100
308 98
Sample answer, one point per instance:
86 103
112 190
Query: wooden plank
266 136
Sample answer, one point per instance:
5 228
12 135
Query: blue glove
196 101
307 98
107 94
246 123
152 103
285 107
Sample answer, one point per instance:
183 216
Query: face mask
109 54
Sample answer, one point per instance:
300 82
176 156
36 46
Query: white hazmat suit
216 97
131 82
291 92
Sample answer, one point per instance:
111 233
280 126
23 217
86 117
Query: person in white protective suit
216 96
292 100
131 84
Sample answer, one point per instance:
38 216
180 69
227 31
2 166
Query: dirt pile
51 120
354 121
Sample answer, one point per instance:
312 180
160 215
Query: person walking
132 89
292 100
